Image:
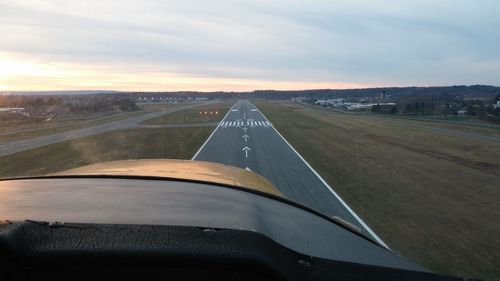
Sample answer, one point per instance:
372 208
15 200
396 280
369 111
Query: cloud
356 42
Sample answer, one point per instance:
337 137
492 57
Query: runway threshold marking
244 124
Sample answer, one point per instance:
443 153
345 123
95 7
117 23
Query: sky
247 45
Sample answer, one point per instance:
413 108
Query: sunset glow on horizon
17 75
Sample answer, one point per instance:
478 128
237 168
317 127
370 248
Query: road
11 147
246 139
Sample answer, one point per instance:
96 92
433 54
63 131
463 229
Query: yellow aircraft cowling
178 169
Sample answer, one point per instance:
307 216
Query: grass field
432 197
25 129
177 143
200 114
174 143
479 127
38 128
465 124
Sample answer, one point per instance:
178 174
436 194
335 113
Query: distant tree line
482 108
477 100
29 101
382 108
395 92
43 105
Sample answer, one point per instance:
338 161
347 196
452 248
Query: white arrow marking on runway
245 129
246 149
245 137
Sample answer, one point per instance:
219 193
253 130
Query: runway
246 139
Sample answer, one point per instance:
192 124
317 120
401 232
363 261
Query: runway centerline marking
246 149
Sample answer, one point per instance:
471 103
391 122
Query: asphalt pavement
246 139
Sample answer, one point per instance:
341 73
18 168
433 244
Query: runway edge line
213 132
372 233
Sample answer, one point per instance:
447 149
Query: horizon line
235 91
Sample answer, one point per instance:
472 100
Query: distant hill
475 91
57 93
464 92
